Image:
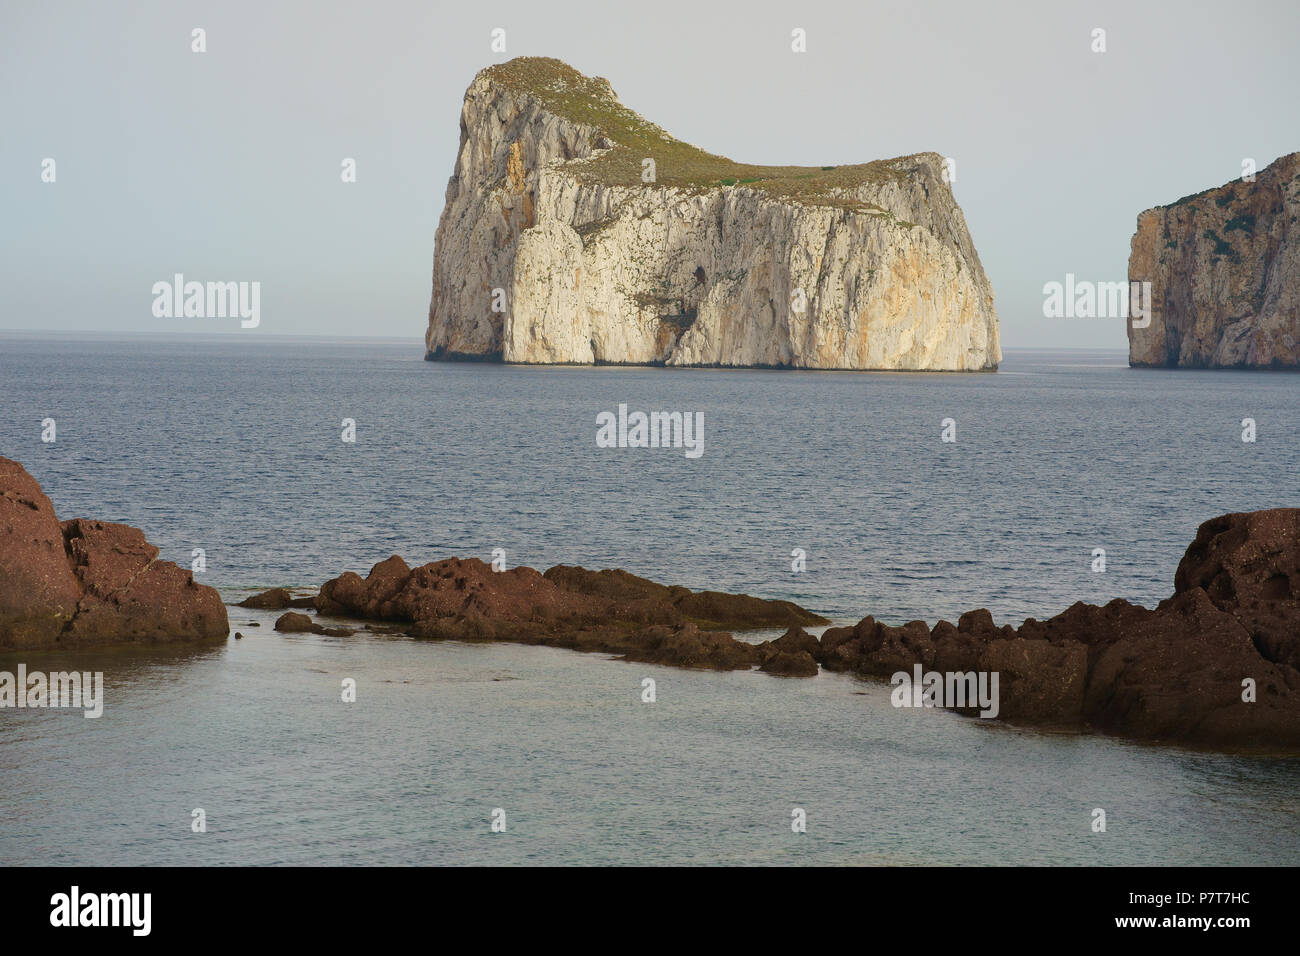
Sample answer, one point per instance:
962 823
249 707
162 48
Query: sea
1068 477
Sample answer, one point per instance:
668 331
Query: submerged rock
83 582
576 231
292 622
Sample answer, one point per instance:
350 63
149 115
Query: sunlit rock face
575 231
1224 268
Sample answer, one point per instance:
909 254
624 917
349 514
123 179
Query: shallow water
233 446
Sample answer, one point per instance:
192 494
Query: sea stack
1224 268
577 232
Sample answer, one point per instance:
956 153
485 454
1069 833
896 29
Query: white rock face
596 267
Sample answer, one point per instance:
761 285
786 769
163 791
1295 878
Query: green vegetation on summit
590 101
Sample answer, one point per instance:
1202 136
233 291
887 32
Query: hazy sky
225 165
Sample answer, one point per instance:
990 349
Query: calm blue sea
233 445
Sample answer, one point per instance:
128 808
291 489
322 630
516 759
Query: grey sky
225 165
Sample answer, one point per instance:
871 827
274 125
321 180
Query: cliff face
1224 268
711 263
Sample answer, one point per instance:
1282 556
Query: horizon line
236 333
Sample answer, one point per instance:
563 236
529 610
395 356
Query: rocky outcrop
611 612
1216 665
276 599
1224 268
794 654
89 582
1248 565
575 231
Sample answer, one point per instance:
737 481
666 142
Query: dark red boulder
88 582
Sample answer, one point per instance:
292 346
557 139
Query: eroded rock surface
554 248
1175 673
83 582
606 611
1224 268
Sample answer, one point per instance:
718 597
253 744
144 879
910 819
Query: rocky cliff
575 231
1224 268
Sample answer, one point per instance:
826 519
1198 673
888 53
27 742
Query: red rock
1039 682
741 610
794 641
955 651
1175 674
609 612
291 622
1172 674
38 591
705 608
273 600
1249 566
879 650
790 664
685 645
89 582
